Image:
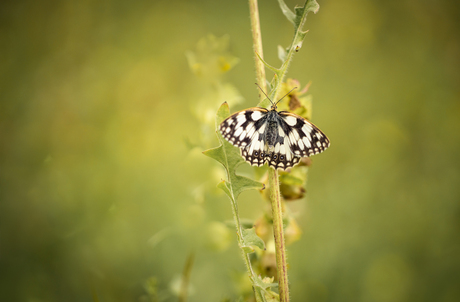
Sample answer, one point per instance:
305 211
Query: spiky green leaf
230 158
251 239
302 11
274 69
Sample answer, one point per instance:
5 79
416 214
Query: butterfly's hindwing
278 138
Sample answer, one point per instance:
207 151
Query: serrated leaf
250 238
230 158
287 12
299 20
301 12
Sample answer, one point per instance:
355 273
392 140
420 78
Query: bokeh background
104 191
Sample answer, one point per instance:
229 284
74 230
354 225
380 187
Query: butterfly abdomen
271 133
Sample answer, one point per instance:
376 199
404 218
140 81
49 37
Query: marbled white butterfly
279 138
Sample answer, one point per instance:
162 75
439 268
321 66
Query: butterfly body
279 138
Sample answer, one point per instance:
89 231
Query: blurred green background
103 187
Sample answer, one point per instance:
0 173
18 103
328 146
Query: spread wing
242 127
304 138
296 137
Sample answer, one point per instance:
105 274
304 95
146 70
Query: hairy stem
257 44
277 211
239 232
278 231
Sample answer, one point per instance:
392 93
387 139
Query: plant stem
277 211
183 294
257 44
239 233
278 231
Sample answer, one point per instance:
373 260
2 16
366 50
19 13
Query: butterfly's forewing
304 138
244 130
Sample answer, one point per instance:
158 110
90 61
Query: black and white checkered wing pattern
242 127
303 138
279 138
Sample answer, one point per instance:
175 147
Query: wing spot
306 141
280 131
256 115
290 120
238 131
300 144
296 134
243 135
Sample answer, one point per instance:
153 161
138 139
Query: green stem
239 232
277 81
183 294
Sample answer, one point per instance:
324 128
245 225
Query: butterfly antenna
285 95
264 93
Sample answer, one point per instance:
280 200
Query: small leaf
301 12
251 239
223 186
297 43
274 69
287 12
265 103
282 53
264 283
271 296
247 249
262 289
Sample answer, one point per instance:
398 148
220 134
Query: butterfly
279 138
